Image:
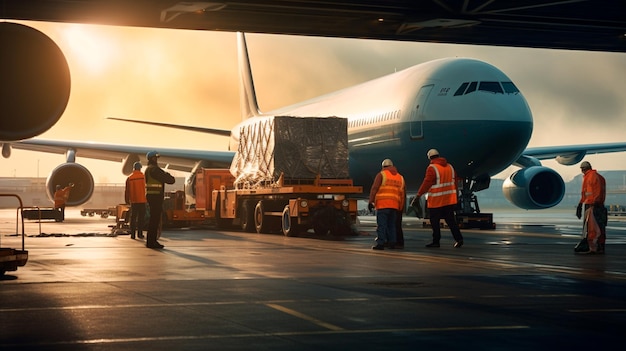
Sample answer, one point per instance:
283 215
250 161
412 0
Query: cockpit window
461 89
471 88
510 88
493 87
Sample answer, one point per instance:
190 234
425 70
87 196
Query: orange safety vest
443 193
136 188
61 196
594 188
389 195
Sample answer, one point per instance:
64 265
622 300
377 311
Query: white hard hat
585 164
387 162
432 152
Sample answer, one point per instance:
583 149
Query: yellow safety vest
153 186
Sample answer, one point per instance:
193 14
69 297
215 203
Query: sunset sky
190 77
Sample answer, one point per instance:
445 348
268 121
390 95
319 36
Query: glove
579 210
415 202
370 207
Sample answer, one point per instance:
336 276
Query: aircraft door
417 114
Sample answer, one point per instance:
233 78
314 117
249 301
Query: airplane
466 108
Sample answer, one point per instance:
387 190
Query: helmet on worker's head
432 153
152 154
137 165
387 163
585 164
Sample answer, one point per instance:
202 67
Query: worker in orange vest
387 196
135 195
61 195
592 197
440 183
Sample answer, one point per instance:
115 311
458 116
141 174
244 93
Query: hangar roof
598 25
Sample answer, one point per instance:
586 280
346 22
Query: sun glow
89 48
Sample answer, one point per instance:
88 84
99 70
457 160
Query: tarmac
87 286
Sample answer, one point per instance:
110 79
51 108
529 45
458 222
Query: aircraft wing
570 154
174 159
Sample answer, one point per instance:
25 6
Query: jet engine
35 82
534 188
75 173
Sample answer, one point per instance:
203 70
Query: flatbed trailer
41 213
290 207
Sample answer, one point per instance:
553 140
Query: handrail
39 215
18 212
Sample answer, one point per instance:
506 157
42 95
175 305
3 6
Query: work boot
155 245
140 235
132 235
433 245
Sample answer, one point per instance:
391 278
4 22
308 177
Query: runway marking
261 334
272 303
486 262
304 316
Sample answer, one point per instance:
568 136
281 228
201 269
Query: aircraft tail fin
248 101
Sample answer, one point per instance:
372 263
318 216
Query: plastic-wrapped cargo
297 147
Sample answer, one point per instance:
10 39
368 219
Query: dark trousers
399 232
155 201
61 210
386 226
137 215
447 213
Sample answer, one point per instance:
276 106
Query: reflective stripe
153 186
444 191
389 195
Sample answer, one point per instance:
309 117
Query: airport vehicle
287 206
177 214
10 258
102 212
461 106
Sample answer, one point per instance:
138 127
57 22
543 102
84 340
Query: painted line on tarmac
265 335
485 262
270 303
297 314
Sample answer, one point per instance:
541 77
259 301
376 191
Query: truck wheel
247 217
288 227
260 222
320 229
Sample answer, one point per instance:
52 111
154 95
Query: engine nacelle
67 173
534 188
35 82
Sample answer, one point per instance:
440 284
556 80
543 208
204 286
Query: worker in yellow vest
155 191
